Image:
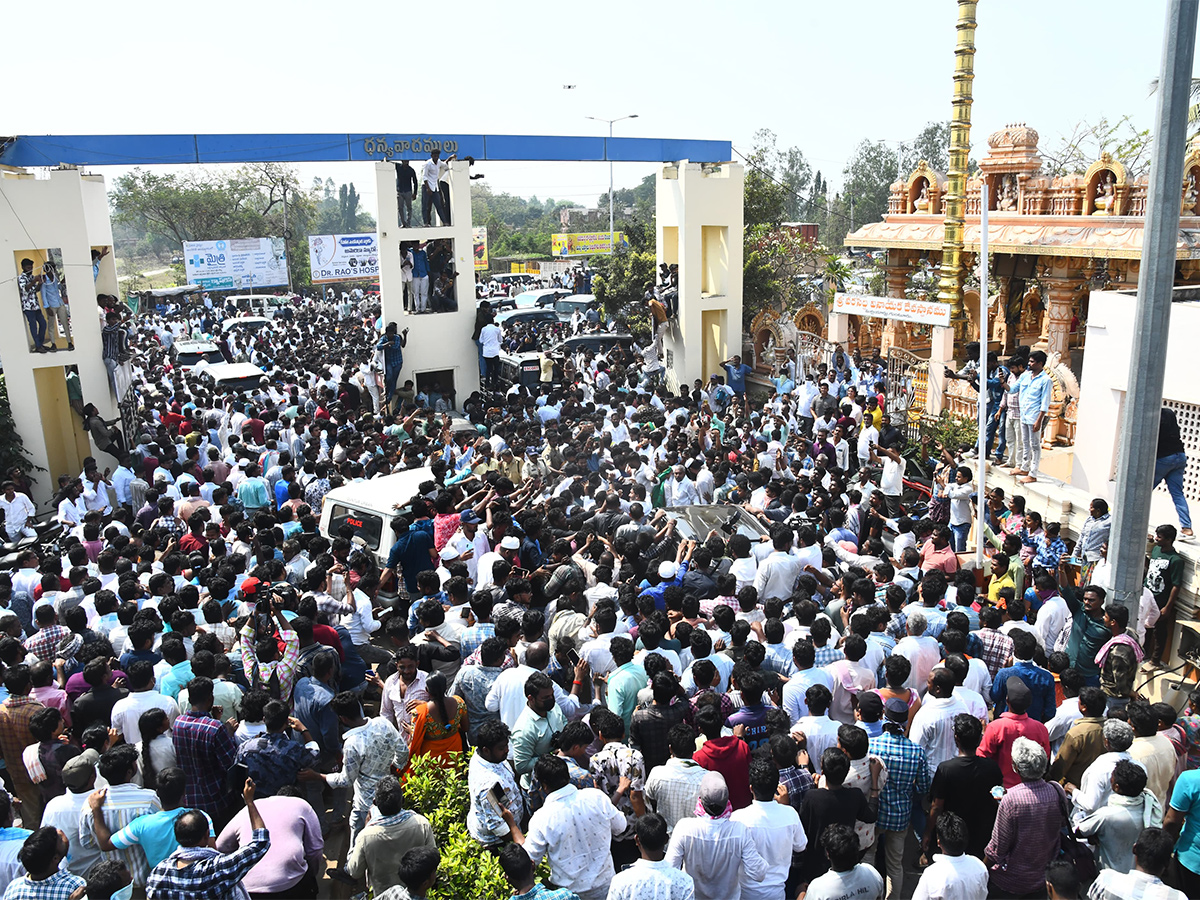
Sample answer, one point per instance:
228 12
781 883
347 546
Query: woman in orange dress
438 724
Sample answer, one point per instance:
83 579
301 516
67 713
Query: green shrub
441 795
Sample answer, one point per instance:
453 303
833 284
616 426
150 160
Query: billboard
240 264
587 243
928 312
343 257
479 240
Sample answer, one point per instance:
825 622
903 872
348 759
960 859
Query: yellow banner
588 243
479 239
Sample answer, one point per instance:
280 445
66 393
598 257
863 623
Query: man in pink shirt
938 552
1000 734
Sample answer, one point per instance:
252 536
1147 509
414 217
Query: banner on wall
241 264
479 240
343 257
927 312
587 243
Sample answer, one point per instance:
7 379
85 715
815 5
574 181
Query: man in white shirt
681 490
921 651
652 875
142 696
431 195
775 830
1053 616
795 689
718 853
18 510
953 874
489 340
932 727
777 574
570 828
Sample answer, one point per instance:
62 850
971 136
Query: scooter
47 531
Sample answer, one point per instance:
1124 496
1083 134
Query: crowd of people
808 696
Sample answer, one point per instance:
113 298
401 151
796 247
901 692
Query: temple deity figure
1106 196
921 204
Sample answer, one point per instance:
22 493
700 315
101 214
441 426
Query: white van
367 507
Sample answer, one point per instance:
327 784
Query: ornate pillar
896 271
1000 315
1060 307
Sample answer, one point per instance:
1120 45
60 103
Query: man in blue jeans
392 345
1169 465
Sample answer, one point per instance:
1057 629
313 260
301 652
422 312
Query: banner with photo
235 265
479 239
587 243
343 257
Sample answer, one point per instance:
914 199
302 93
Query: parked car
566 306
249 323
596 341
534 316
188 354
541 297
238 377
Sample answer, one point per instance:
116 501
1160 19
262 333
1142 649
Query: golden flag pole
951 283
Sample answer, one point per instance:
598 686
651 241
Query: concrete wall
699 220
68 211
1105 378
436 341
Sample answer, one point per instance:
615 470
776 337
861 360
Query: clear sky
822 75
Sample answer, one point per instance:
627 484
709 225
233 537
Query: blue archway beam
184 149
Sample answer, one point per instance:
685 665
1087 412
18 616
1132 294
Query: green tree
869 174
931 145
621 279
12 448
1074 152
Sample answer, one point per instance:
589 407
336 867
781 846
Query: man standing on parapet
406 186
431 195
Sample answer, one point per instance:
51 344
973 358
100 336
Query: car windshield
191 357
695 522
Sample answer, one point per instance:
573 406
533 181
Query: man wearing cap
908 774
670 574
716 851
1015 723
63 812
507 551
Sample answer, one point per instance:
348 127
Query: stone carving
1007 198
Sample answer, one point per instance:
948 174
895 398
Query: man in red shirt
998 737
728 755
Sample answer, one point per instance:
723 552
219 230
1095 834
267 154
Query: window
367 526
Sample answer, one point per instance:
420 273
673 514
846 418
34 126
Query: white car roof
380 494
244 320
195 346
223 371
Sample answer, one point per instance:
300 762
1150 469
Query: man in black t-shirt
964 785
833 804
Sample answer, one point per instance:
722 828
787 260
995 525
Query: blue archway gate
184 149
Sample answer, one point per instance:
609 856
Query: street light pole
611 247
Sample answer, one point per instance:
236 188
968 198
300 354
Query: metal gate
907 389
812 350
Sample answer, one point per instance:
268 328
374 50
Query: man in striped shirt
124 801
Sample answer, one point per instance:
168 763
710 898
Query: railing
906 390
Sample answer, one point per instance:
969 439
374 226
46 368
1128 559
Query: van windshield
367 526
